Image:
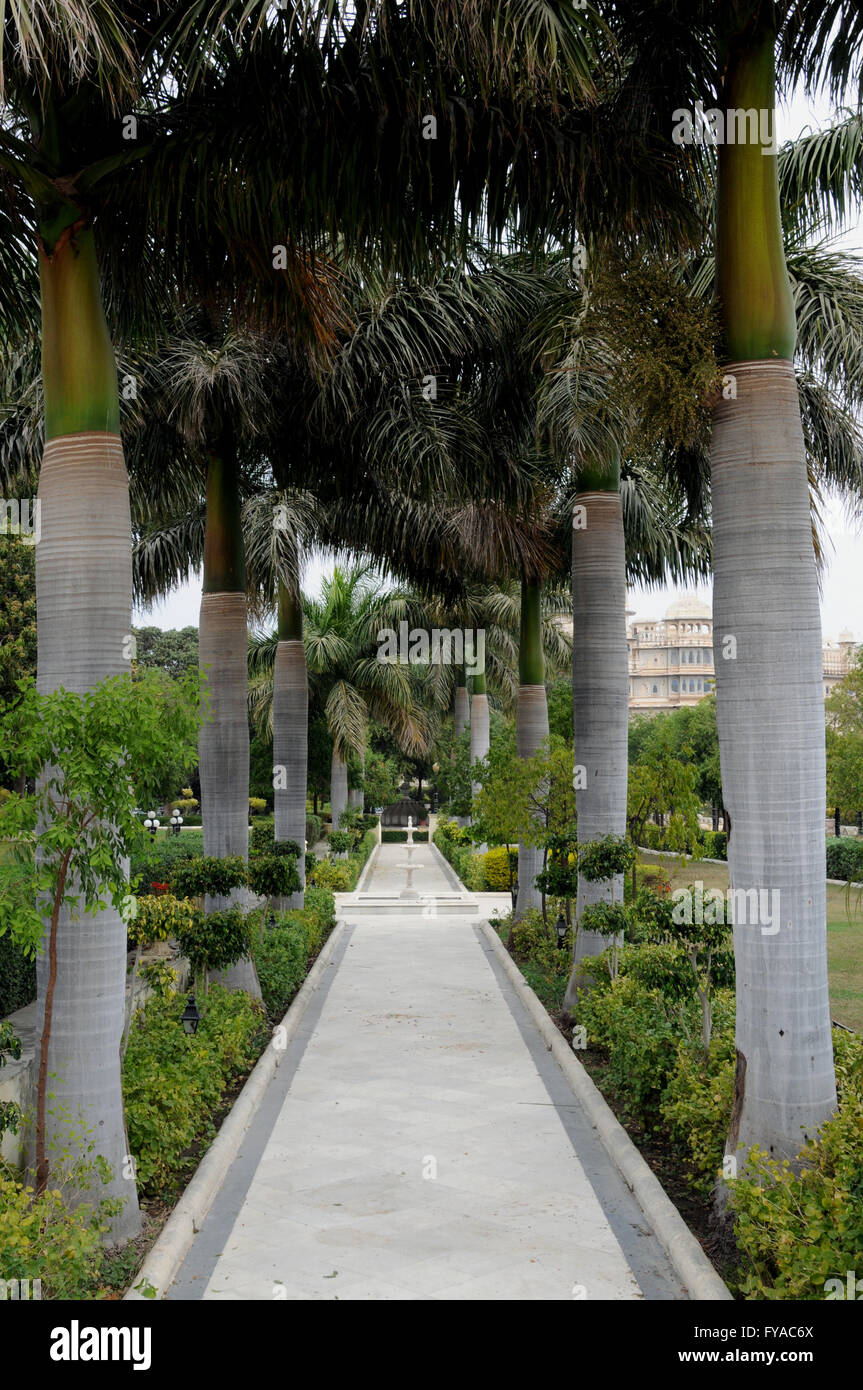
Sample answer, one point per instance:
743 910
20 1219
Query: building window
675 685
655 690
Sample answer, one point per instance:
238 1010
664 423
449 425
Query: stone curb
690 1263
172 1245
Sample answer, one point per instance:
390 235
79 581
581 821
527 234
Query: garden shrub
798 1229
314 825
696 1107
194 878
639 1034
496 868
322 904
651 836
715 844
399 837
340 841
273 875
336 877
257 805
528 934
17 977
157 862
173 1081
160 916
215 940
42 1238
844 858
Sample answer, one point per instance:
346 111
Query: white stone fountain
409 891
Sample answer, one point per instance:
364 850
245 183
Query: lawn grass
844 932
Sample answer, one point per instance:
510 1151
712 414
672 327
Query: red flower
160 887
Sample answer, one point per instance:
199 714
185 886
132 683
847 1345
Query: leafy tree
663 784
844 708
380 780
175 650
94 758
17 613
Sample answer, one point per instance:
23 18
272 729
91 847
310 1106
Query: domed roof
689 606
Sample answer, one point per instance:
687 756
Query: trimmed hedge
400 837
17 978
844 857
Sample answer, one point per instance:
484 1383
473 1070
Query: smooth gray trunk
338 787
223 748
290 751
479 732
600 698
84 604
479 740
462 710
531 731
770 713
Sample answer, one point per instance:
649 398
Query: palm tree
346 676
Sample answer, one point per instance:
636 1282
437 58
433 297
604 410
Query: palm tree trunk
338 787
600 693
291 734
479 725
479 732
767 654
84 604
223 656
531 727
462 710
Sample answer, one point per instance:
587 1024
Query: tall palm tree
345 673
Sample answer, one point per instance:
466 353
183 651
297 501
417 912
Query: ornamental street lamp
176 822
190 1018
560 928
151 823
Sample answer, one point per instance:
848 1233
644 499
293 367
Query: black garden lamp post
560 928
190 1017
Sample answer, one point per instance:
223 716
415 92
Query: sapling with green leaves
93 758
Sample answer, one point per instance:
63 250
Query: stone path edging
686 1255
172 1244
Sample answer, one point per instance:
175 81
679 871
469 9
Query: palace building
671 658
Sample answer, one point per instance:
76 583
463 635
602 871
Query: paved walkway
420 1142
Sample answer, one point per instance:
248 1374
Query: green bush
715 844
798 1229
314 825
651 836
399 837
215 940
696 1107
173 1081
194 878
340 841
336 877
257 805
640 1035
844 858
41 1238
496 868
273 875
281 960
322 904
159 917
157 862
17 978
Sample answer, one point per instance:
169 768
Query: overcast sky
842 590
